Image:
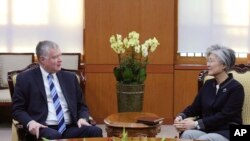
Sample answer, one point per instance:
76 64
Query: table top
129 139
128 120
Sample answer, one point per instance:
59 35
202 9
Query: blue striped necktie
57 105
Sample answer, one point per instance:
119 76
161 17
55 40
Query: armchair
241 73
8 62
18 131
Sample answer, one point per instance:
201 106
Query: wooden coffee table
128 120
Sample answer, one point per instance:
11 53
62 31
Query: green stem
146 61
133 53
119 58
141 55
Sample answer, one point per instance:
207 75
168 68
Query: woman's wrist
196 125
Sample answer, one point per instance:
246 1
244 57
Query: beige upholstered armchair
241 73
8 62
18 132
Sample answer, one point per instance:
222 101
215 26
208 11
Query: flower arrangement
133 57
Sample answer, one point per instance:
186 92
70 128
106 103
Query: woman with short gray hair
218 103
225 55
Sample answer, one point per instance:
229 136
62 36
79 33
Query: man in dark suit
51 107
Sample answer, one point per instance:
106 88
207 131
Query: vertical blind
23 23
202 23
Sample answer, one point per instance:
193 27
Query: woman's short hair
225 55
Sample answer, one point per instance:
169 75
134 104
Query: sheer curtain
202 23
23 23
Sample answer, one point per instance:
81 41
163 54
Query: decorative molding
107 68
190 67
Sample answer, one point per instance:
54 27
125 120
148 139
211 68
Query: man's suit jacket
30 101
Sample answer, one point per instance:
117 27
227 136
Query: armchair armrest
92 121
21 132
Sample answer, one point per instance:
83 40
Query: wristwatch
196 125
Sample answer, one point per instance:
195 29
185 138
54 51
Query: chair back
8 62
71 60
241 73
11 61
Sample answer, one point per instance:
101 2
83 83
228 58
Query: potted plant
131 71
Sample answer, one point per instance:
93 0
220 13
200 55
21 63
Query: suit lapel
40 83
66 92
63 84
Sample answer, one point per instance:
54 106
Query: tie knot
50 76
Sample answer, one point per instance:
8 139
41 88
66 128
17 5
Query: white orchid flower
138 49
144 50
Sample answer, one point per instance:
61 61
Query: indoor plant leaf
127 75
118 73
142 75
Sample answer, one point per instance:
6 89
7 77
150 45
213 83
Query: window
202 23
23 23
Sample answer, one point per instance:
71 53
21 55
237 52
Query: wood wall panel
148 17
100 94
159 95
105 18
102 101
185 88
